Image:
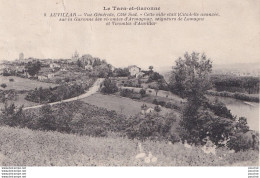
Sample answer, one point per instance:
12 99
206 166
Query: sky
233 37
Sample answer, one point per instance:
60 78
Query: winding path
91 91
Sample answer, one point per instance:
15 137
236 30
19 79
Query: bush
11 116
155 101
74 117
109 87
126 93
11 80
220 109
168 105
243 141
47 118
143 92
3 85
198 123
154 127
58 93
157 108
161 103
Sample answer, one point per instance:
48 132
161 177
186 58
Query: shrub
126 93
198 123
152 126
11 80
3 85
109 87
136 96
67 79
157 108
220 109
155 101
11 116
58 93
144 106
161 103
47 118
142 92
168 105
243 141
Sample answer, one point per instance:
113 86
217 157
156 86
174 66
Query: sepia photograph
129 83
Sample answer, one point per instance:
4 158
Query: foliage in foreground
84 119
24 147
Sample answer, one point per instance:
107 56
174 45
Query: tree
3 85
156 89
151 126
33 68
157 108
11 116
154 76
109 87
190 79
151 68
190 76
142 92
47 118
119 72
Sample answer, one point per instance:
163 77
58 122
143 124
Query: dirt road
91 91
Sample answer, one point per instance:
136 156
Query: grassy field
24 147
22 83
122 105
160 93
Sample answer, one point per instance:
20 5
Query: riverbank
239 108
236 95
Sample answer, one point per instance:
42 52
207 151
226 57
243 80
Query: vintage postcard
129 83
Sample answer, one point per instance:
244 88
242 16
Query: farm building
42 77
134 70
54 65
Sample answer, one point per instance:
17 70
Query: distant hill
243 66
239 69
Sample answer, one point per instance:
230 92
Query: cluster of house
53 67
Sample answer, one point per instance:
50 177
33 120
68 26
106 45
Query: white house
134 70
50 75
42 77
139 75
88 67
54 65
149 110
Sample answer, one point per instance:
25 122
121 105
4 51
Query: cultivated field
24 147
22 83
122 105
